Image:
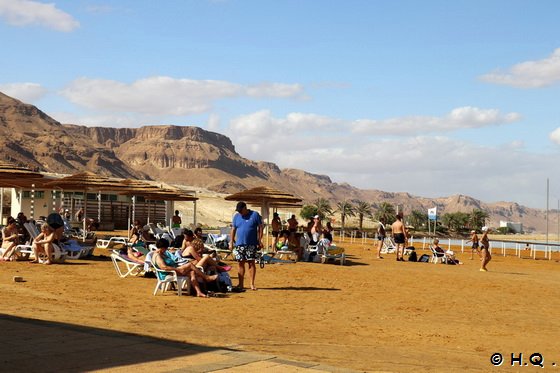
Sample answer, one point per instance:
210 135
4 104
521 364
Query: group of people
14 233
400 235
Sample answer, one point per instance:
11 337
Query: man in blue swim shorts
246 241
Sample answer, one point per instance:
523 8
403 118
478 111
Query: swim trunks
399 237
245 252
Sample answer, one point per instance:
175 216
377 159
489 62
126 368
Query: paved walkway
30 345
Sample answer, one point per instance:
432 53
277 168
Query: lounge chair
220 244
108 243
437 256
58 255
131 268
329 251
166 278
389 246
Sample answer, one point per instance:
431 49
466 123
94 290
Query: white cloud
262 123
27 12
26 92
92 120
529 74
430 166
459 118
162 95
555 136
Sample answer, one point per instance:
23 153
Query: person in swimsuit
485 249
474 248
9 239
399 235
381 234
276 228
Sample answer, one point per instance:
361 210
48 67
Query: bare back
398 227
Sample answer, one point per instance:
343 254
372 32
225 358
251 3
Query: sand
371 315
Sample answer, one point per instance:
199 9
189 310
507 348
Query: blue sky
433 98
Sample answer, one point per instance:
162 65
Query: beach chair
58 254
130 268
220 244
389 246
437 256
309 250
329 251
108 243
167 278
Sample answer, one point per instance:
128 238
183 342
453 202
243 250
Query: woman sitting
193 250
9 240
163 260
43 244
448 255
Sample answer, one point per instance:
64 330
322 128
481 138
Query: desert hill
189 155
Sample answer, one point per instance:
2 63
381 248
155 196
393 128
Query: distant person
276 228
399 235
475 244
381 234
10 240
316 230
485 249
292 224
79 215
327 232
246 235
176 220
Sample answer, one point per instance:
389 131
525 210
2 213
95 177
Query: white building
514 227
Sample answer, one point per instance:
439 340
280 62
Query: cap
240 206
473 231
316 217
484 229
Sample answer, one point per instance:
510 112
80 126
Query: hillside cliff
189 155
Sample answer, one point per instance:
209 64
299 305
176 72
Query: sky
434 98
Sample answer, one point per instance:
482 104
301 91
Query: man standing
399 234
246 234
276 228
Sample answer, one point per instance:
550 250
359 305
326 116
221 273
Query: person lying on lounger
163 260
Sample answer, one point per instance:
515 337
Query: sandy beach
370 315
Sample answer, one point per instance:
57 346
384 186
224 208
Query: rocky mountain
189 155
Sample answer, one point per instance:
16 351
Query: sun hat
316 217
473 231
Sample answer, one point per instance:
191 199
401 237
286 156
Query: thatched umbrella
266 197
14 176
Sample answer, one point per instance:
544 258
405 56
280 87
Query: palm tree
385 212
346 209
362 209
477 218
417 219
323 207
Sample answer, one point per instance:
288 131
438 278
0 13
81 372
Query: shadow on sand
32 345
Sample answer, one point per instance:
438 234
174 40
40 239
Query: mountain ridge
190 155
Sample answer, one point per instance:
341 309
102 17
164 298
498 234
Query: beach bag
425 258
412 257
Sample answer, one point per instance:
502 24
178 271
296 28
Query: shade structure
12 175
261 196
265 198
